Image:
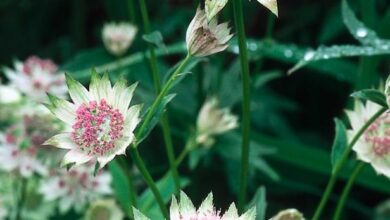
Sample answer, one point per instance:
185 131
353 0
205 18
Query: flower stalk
347 189
157 84
239 22
340 164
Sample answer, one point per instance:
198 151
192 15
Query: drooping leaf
141 135
332 52
362 33
155 38
264 78
340 142
259 200
120 185
372 95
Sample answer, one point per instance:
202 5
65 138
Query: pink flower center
98 126
378 135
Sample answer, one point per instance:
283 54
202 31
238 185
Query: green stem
161 95
157 84
149 180
133 192
131 7
347 189
190 145
239 21
340 164
20 204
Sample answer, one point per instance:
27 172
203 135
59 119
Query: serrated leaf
155 118
362 33
120 185
340 142
259 200
272 5
372 95
155 38
332 52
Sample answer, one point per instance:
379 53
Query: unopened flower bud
288 214
105 209
204 38
212 121
117 38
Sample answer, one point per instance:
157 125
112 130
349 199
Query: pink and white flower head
102 122
204 37
118 37
18 156
212 120
75 188
373 146
35 77
185 210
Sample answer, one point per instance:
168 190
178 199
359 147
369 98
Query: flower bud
105 209
212 121
117 38
213 7
288 214
204 38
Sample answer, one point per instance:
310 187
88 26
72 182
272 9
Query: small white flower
373 146
204 38
213 120
118 37
104 209
9 95
76 187
288 214
14 157
101 120
185 209
35 77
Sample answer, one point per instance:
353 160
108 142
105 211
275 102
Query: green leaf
372 95
333 52
340 142
363 34
120 185
259 200
264 78
155 38
166 185
155 118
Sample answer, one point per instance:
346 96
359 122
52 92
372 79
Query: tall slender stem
20 203
157 84
346 190
133 192
149 180
239 21
340 164
131 10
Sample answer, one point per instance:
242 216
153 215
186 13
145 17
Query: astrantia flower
213 120
105 209
204 38
35 77
101 120
118 37
373 146
185 210
17 155
76 187
288 214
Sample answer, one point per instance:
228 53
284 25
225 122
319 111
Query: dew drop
361 32
309 55
288 53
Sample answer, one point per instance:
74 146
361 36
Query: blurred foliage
292 116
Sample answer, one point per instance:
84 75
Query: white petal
231 213
123 143
207 206
187 208
249 215
77 92
61 141
62 109
125 98
132 118
75 156
104 160
174 209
